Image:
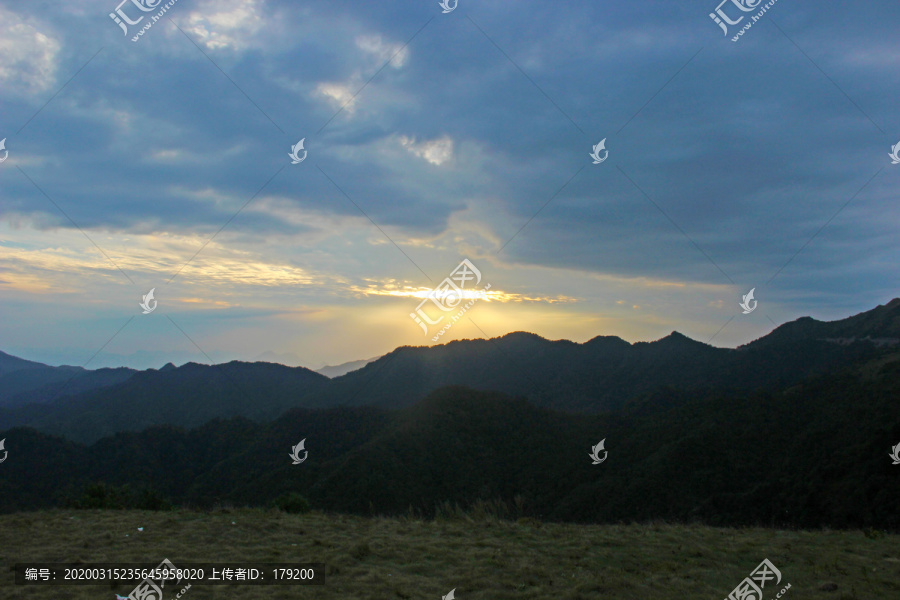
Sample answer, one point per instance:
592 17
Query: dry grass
482 558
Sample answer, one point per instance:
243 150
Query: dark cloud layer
729 162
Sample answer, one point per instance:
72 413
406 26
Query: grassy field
369 558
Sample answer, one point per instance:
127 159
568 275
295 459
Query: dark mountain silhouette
9 364
605 372
814 454
344 368
880 325
189 396
24 381
601 375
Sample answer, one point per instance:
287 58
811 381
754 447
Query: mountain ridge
784 458
601 375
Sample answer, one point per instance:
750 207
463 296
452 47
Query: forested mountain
24 381
813 454
605 372
10 364
598 376
189 396
880 325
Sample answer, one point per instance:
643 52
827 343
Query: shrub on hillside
292 503
105 496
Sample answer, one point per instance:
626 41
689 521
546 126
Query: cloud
437 151
383 51
377 52
341 94
226 24
734 159
394 289
29 55
75 262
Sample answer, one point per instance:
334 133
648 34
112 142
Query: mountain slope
44 385
813 455
605 372
881 324
10 364
25 381
187 396
601 375
344 368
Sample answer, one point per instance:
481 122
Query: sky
432 135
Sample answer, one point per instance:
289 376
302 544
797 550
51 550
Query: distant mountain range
344 368
188 396
813 454
595 377
603 373
25 382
